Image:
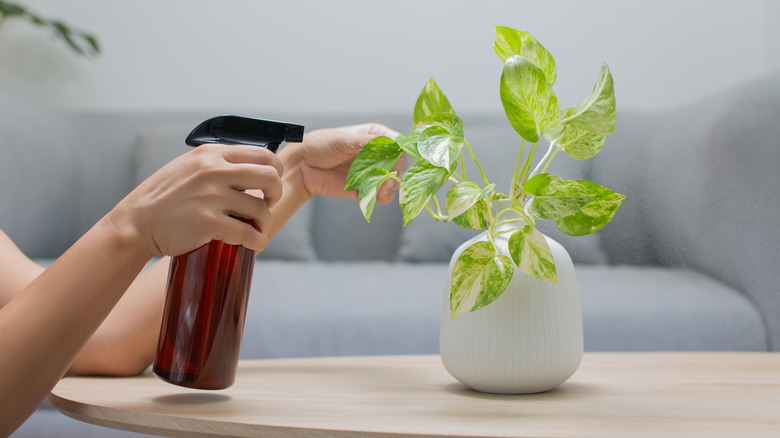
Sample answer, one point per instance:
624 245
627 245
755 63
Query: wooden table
611 395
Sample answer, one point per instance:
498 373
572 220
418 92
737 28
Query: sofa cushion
159 145
39 177
495 145
361 308
628 308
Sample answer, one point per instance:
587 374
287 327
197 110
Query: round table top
612 394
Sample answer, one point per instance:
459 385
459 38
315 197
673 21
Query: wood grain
611 395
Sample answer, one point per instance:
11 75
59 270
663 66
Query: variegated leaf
431 101
529 101
369 186
440 145
554 198
475 218
463 195
421 181
509 42
597 112
531 253
479 276
380 152
595 214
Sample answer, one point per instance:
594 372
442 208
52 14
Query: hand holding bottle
191 200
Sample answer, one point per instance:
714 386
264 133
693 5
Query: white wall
361 56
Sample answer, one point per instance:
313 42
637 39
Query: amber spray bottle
208 288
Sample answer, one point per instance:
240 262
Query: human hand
324 158
189 201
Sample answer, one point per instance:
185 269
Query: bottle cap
244 130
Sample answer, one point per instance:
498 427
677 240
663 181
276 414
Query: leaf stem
434 215
510 221
438 207
544 158
550 160
481 171
511 230
524 171
462 166
515 174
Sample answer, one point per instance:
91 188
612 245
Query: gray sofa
690 262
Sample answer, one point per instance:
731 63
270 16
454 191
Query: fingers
253 177
250 155
235 231
250 167
248 218
386 192
374 130
248 208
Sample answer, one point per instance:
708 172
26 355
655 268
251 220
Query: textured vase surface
528 340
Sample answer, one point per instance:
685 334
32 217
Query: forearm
125 343
51 319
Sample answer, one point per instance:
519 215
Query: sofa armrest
708 187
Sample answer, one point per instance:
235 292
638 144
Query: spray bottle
208 288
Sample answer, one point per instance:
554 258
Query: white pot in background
528 340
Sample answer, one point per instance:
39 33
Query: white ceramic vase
528 340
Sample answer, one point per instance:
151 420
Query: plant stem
481 171
526 167
544 158
510 221
462 166
550 160
438 207
434 215
515 175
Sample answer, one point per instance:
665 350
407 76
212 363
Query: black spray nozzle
245 130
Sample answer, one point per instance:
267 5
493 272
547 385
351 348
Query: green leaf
510 42
441 146
480 275
531 253
463 195
10 9
418 184
597 112
379 152
92 41
475 218
595 214
554 198
369 186
431 101
528 99
578 143
408 143
65 34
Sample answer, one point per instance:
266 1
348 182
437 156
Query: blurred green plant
80 42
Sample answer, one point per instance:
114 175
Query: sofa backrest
39 177
334 229
65 171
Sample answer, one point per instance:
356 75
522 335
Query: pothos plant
438 149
